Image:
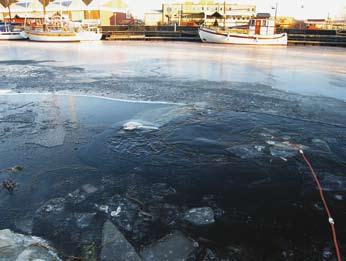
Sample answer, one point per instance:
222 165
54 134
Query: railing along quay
186 33
316 37
178 33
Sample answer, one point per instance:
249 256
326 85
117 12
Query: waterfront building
104 12
214 12
325 24
153 18
286 22
2 11
71 9
30 9
99 12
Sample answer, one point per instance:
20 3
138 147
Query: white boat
9 32
9 35
261 31
53 36
88 33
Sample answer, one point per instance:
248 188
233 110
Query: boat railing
228 30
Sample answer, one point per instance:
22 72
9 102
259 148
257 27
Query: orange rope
330 219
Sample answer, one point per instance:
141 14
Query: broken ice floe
135 125
200 216
284 149
115 246
174 246
247 151
15 246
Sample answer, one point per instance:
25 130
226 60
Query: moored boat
9 34
9 31
53 36
261 31
89 33
55 30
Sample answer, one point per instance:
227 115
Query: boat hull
11 36
89 36
53 37
211 36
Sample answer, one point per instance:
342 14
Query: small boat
8 32
261 31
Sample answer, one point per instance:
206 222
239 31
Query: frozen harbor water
188 148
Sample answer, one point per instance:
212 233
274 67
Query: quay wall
186 33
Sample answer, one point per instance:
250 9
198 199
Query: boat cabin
262 24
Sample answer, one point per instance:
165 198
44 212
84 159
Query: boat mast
26 12
60 15
205 12
9 10
44 14
224 15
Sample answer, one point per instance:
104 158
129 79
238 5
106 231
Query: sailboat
7 30
54 31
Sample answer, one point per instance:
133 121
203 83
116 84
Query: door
258 27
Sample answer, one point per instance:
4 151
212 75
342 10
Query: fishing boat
260 31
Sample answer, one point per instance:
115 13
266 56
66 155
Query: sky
296 8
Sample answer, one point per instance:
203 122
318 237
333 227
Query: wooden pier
185 33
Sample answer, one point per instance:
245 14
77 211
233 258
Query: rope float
330 218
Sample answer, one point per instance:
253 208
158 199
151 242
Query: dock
186 33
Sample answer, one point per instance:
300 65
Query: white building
153 19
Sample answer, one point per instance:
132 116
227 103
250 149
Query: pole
60 15
276 13
180 14
26 13
44 15
224 15
205 12
9 10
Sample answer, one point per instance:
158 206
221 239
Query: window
94 15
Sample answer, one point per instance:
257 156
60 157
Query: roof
70 5
26 6
38 15
263 15
107 5
216 15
